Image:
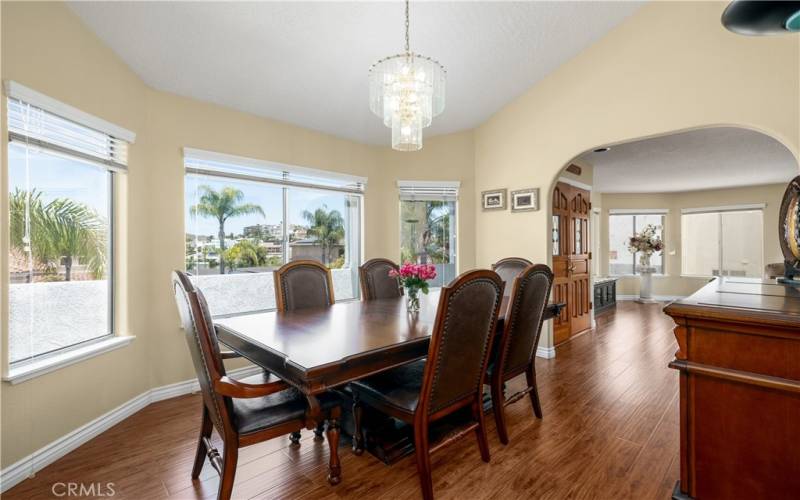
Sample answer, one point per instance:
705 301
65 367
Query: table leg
334 468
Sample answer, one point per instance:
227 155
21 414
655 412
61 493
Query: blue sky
59 177
269 197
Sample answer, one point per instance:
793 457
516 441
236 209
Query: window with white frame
722 241
61 169
622 225
428 226
245 218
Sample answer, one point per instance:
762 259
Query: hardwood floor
610 430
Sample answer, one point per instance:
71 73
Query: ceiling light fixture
762 17
407 92
601 150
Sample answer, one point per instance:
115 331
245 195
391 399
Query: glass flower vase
412 299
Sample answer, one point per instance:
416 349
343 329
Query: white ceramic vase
646 272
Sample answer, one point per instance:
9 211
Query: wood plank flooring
610 430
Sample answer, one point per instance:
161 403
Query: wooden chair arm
235 389
229 355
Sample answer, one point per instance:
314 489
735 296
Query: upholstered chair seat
515 353
451 379
398 387
246 411
256 414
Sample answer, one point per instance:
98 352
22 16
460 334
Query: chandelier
407 91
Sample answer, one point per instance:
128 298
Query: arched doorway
684 182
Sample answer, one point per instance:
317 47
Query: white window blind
638 211
209 163
723 241
428 190
39 121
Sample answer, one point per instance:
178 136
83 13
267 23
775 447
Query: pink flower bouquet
414 277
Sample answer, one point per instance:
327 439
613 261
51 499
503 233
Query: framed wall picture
525 200
494 199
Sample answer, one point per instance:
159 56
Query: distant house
310 248
272 247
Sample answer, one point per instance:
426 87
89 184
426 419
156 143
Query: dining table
319 349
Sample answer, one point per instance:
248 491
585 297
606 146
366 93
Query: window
428 226
245 218
722 242
61 236
621 226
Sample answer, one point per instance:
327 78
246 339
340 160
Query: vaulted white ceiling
306 63
700 159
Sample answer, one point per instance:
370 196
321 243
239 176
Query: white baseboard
546 352
660 298
41 458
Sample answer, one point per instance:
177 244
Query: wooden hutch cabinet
739 364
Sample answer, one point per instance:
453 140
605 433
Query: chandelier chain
408 45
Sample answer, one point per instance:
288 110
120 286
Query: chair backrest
301 284
460 343
509 268
203 347
523 323
376 282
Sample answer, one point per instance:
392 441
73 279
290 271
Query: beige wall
673 284
671 66
45 47
683 71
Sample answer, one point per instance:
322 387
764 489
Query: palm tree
327 227
62 229
222 205
435 238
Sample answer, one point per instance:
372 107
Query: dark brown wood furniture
518 342
302 284
605 294
298 285
571 260
739 363
508 269
247 411
451 378
376 282
317 349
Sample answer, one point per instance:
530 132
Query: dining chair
301 284
376 282
520 337
423 392
509 268
244 412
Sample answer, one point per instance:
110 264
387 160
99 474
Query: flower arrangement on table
646 242
414 278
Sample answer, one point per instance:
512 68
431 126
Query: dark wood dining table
319 349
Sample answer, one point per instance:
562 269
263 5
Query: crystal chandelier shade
407 91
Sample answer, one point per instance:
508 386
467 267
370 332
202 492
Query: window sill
618 276
34 369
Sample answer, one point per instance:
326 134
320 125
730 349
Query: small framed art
494 199
525 200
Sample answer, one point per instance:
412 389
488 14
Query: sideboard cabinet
739 363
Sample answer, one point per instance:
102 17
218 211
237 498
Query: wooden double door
571 260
